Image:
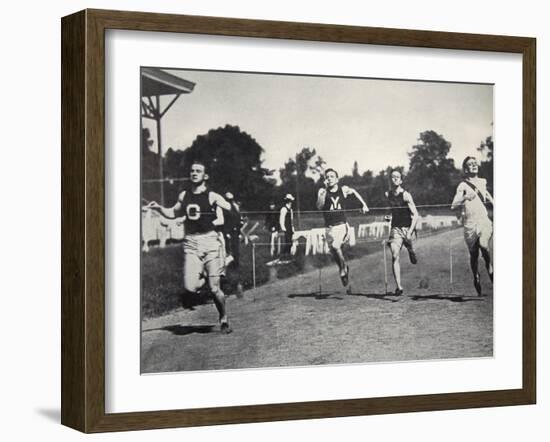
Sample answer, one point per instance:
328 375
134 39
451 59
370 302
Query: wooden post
385 268
451 266
253 265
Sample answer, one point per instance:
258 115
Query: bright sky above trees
373 122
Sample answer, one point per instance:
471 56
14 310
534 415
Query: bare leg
193 279
396 268
338 256
487 258
192 287
474 258
342 267
410 249
219 301
193 274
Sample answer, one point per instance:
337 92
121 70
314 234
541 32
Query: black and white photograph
303 220
258 221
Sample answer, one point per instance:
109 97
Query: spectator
286 224
232 230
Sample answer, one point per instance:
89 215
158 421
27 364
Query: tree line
235 163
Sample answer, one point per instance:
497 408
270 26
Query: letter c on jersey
193 212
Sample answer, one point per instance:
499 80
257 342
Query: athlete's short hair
330 169
200 163
468 158
398 171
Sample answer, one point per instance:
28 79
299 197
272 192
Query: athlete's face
471 167
331 179
396 179
197 174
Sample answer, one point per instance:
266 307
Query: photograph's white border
126 390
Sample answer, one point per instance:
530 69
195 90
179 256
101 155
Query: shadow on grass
182 330
316 295
379 296
448 297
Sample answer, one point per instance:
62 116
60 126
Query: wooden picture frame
83 220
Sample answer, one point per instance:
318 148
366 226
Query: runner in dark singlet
331 200
203 249
404 217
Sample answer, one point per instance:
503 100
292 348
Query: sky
374 122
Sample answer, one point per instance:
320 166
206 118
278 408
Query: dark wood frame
83 220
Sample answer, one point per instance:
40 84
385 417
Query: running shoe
225 328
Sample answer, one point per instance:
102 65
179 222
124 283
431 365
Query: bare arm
219 220
321 197
218 200
350 191
410 203
167 212
458 199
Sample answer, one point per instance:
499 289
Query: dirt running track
289 323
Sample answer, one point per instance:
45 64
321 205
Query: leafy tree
306 161
149 159
299 176
146 141
367 177
355 179
361 183
355 171
234 161
150 168
486 161
432 176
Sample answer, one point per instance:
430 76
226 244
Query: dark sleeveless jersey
333 209
198 212
400 212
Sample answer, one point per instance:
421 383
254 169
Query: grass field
289 322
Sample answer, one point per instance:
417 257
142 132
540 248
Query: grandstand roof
155 82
